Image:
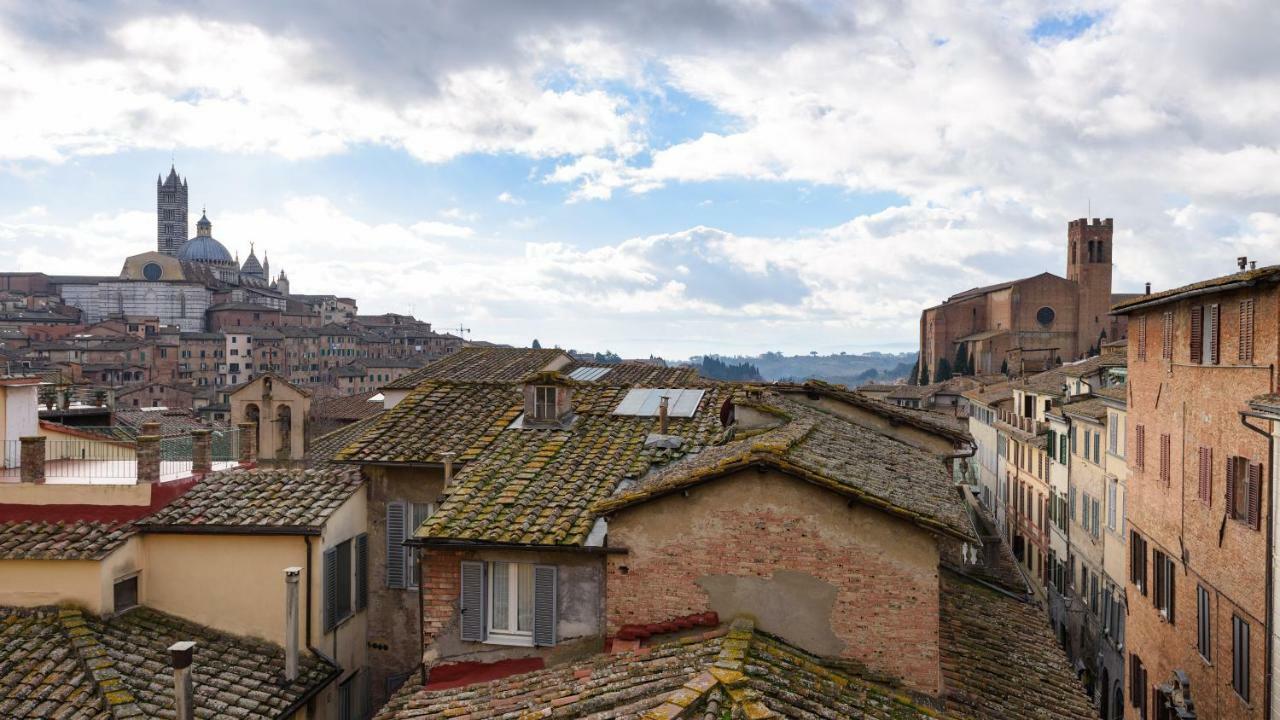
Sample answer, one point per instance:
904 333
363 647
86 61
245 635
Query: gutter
467 545
1182 296
1268 663
162 529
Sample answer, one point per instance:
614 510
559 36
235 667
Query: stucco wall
84 583
834 578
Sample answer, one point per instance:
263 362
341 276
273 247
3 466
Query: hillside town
222 499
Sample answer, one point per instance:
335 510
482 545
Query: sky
650 177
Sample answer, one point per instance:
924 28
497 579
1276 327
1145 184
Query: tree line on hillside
719 370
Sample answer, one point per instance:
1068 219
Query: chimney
291 622
662 415
148 458
1253 264
1148 292
248 442
201 452
1242 261
183 696
150 427
31 459
448 467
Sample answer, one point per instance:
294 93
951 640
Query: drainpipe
1268 622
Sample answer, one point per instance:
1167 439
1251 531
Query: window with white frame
511 602
544 402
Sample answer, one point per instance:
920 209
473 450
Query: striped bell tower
171 213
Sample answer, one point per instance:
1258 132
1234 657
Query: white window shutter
472 605
395 550
544 604
362 571
330 587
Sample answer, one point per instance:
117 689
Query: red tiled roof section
298 500
40 540
479 364
346 407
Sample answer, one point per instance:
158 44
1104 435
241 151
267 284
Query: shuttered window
1163 595
545 586
1164 458
1138 686
1206 476
1140 452
1245 354
509 603
418 514
1255 493
362 571
338 576
1203 624
1138 561
1212 338
1052 445
1240 656
1142 337
1197 334
472 603
1244 491
395 550
1166 337
1113 493
1062 449
1113 431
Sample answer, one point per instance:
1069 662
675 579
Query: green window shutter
472 602
362 571
544 604
395 550
330 588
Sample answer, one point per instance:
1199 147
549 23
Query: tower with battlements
171 213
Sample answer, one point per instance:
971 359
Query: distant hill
840 368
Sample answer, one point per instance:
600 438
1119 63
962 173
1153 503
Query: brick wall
838 580
1198 406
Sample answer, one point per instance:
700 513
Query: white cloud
509 199
432 228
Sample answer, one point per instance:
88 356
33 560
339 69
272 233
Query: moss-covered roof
923 420
280 499
479 364
831 452
738 674
62 663
1270 273
41 540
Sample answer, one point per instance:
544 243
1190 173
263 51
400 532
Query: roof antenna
1089 211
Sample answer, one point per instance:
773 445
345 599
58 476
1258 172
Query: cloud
509 199
433 228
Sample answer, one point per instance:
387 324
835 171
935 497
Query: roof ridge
97 663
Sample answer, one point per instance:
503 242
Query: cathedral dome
203 248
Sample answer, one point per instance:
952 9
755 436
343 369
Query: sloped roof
539 485
983 634
61 663
439 417
1248 278
742 674
323 451
831 452
1090 408
290 501
1097 363
478 364
929 422
346 407
642 374
38 540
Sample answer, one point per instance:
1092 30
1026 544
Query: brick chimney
662 414
32 459
448 468
148 458
248 442
201 452
183 692
291 622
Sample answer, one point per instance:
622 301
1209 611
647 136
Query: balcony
98 458
1025 426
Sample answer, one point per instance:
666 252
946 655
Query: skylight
681 402
587 374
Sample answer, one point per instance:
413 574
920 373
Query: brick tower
171 213
1089 266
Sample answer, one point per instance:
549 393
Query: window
1140 453
1113 494
1203 620
1163 597
1164 458
1166 348
345 580
1245 354
1204 334
125 592
1113 432
1142 337
1244 489
1097 448
508 603
1240 656
1138 561
1093 593
1206 476
420 513
1062 449
544 402
1138 685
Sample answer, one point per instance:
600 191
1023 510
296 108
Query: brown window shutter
1166 337
1197 328
1206 473
1246 331
1255 495
1142 338
1141 455
1164 459
1215 336
1231 486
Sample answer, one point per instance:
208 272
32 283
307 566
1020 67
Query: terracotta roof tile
478 364
346 407
1097 363
295 499
323 451
1250 277
983 634
60 663
742 674
37 540
924 420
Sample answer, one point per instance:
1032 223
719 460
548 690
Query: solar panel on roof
643 402
587 374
